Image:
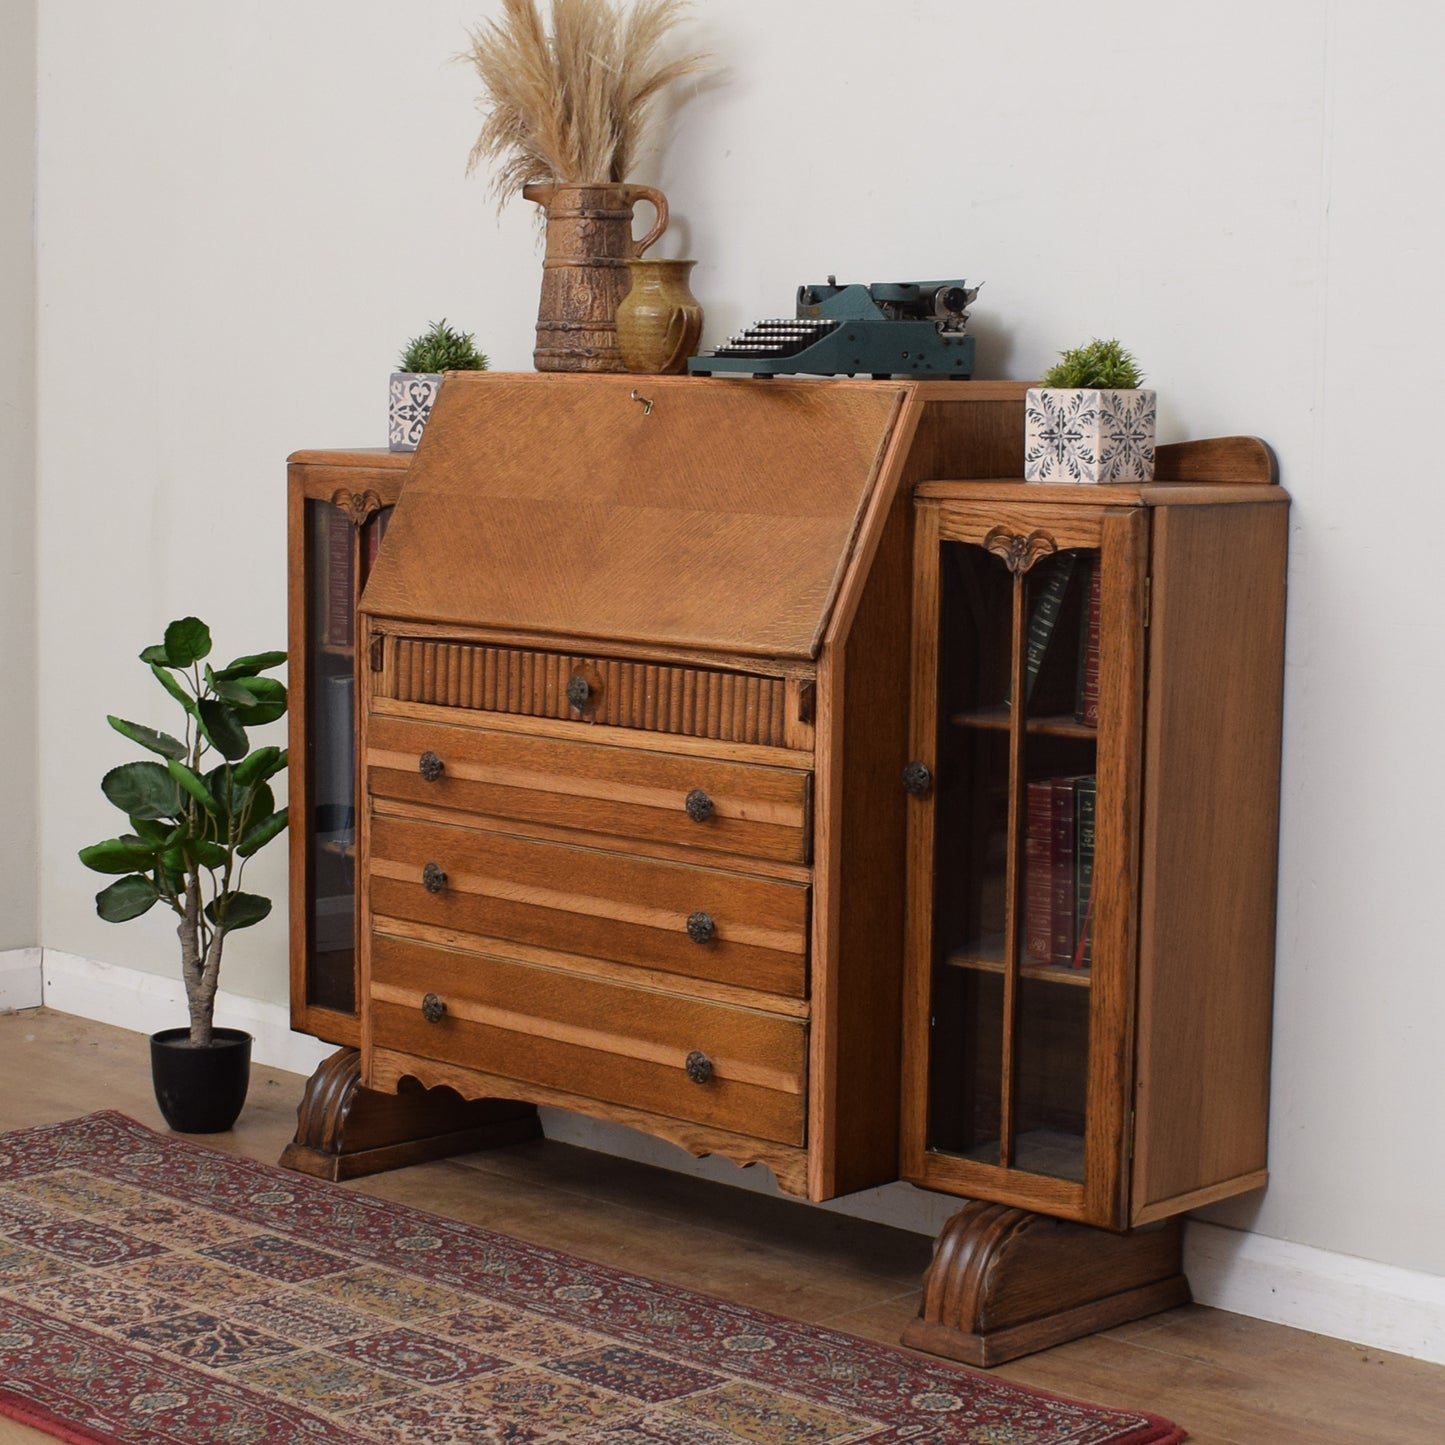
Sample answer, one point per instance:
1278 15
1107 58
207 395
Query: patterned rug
154 1291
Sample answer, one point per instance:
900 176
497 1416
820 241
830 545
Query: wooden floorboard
1229 1379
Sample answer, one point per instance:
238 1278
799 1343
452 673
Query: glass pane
1051 1023
971 861
1013 859
331 766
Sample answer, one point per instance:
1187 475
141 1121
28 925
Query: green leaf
187 640
257 801
125 899
231 693
156 655
119 855
161 834
234 910
193 785
224 730
220 781
144 790
262 764
268 699
250 666
262 834
176 690
208 854
162 743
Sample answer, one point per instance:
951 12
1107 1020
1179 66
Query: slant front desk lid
706 514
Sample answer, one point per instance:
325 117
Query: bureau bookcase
697 724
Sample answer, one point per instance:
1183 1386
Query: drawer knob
578 691
700 927
917 780
698 805
698 1066
433 1009
430 766
433 879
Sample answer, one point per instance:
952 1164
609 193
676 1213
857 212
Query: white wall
19 914
245 210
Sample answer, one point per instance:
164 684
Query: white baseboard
1380 1306
20 985
145 1002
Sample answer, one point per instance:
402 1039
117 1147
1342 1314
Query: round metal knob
430 766
700 927
433 1009
699 806
578 691
433 879
917 779
698 1066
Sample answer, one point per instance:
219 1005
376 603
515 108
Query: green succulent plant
1102 364
193 826
442 349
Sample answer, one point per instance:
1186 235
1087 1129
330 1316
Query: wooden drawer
598 904
742 808
698 702
597 1039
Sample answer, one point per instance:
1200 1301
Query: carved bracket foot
344 1130
1005 1282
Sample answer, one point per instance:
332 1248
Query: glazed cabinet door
336 520
1023 854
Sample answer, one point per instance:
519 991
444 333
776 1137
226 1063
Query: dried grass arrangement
570 107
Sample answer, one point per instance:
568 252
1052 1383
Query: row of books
1059 871
1071 589
336 544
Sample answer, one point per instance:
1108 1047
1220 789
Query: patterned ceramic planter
1085 435
412 395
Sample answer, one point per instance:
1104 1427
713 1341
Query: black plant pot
201 1091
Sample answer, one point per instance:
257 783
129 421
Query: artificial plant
1104 365
195 822
441 348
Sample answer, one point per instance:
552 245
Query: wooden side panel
1210 826
858 1049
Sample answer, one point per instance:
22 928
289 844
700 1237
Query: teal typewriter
907 328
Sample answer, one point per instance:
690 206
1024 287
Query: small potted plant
194 823
1089 420
414 386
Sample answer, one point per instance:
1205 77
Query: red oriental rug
154 1291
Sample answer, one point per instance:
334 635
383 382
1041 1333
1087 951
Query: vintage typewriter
909 328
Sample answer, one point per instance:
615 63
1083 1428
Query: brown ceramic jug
584 273
659 321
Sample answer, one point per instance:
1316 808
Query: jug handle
659 202
678 342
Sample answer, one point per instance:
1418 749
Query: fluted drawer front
697 702
708 1063
702 803
592 902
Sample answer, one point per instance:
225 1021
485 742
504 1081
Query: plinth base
344 1131
1005 1282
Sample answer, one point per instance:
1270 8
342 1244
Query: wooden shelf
997 719
1044 972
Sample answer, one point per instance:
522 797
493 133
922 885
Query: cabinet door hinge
378 646
1148 591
